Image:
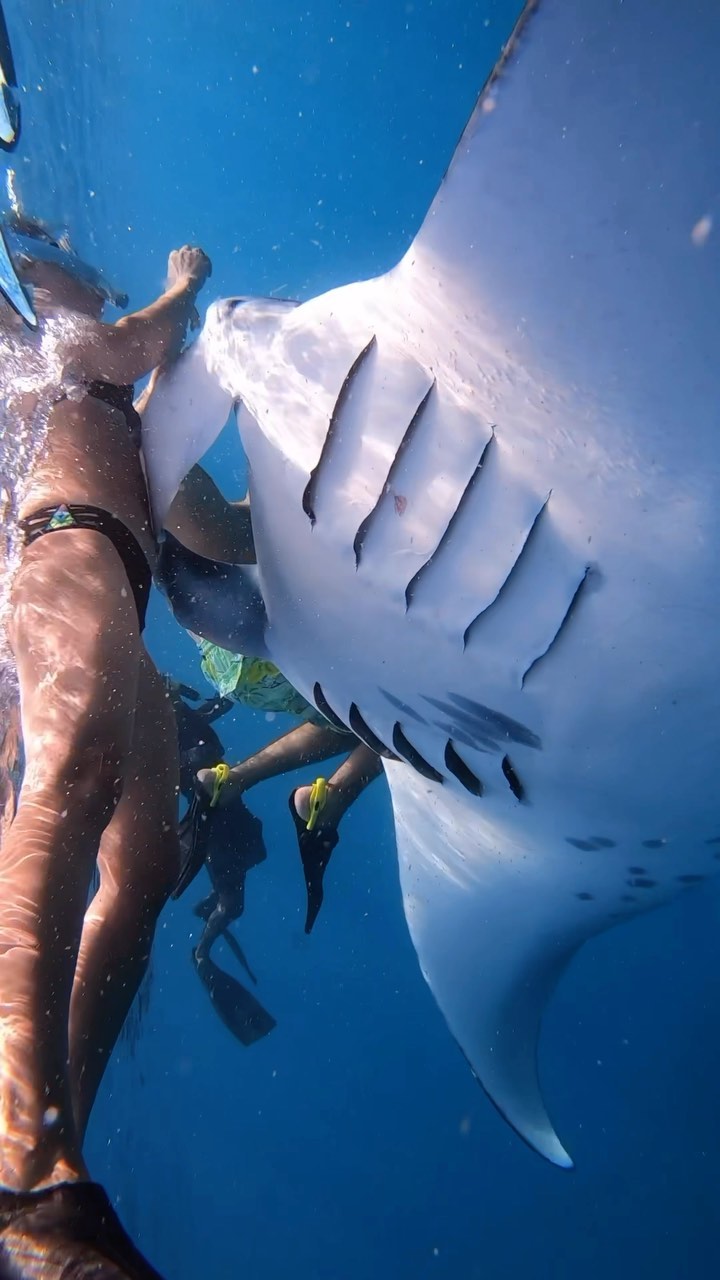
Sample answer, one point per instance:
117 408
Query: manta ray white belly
484 499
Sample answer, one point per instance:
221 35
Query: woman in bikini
101 767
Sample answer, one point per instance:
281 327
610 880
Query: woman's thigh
75 638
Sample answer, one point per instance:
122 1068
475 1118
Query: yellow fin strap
318 796
222 773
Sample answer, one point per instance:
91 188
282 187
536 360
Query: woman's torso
62 443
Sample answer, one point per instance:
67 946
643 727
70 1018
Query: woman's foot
316 847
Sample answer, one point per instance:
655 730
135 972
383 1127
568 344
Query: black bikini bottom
74 516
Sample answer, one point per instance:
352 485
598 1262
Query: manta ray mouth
232 304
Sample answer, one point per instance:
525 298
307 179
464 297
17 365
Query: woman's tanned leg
139 865
75 637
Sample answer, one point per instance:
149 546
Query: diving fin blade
316 848
9 117
193 834
239 954
243 1015
11 288
9 110
63 1231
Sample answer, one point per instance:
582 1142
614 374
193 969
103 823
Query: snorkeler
316 810
101 772
228 842
205 522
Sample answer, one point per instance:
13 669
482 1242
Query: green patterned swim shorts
254 682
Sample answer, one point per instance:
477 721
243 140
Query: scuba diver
228 842
101 774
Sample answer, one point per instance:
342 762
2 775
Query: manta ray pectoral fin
184 416
220 602
490 954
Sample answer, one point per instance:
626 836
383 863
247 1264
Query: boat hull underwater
484 493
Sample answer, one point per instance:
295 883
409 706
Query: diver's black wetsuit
228 842
199 746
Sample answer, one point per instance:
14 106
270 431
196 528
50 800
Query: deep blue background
301 147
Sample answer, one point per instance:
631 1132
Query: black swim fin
316 849
67 1232
239 954
242 1014
193 834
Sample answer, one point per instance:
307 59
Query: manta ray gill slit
388 486
326 710
417 578
526 545
362 730
308 498
462 771
408 752
512 778
577 595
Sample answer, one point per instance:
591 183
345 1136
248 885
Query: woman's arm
123 352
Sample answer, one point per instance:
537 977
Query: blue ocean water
301 147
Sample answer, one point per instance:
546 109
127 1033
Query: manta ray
484 490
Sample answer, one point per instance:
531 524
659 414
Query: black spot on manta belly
690 879
714 840
401 706
654 844
642 882
590 844
628 897
637 871
585 897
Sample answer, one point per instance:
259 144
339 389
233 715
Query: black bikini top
119 398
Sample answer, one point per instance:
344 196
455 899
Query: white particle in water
701 231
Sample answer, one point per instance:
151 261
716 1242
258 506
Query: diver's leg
139 861
307 744
218 921
346 784
75 638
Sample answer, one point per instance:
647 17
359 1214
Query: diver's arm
206 523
